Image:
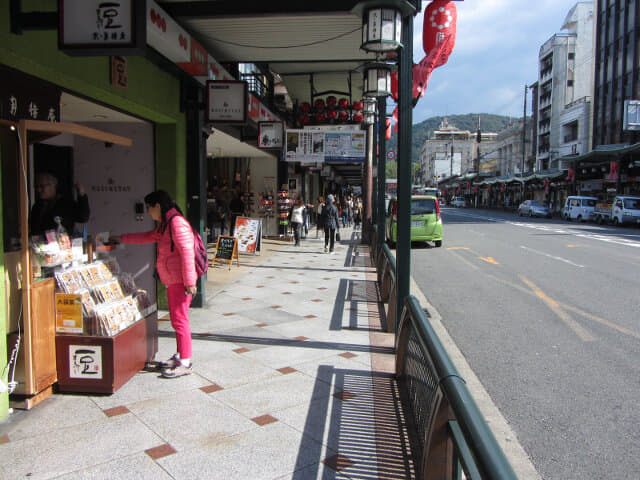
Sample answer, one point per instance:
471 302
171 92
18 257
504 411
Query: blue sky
495 55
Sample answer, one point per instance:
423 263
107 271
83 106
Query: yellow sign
68 313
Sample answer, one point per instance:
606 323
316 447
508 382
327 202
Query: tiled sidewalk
292 380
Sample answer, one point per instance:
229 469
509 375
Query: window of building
569 83
571 56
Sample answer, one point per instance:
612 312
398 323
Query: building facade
617 69
452 152
509 146
564 89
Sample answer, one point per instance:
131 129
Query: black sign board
25 97
227 249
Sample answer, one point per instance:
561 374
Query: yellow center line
458 248
489 260
465 261
555 307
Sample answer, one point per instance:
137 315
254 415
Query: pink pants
179 312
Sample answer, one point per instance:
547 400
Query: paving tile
348 355
211 388
287 370
232 370
112 412
145 386
58 411
275 450
266 396
4 439
263 420
160 451
138 467
71 449
191 419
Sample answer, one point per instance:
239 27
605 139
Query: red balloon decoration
304 120
305 107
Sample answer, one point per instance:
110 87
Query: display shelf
90 364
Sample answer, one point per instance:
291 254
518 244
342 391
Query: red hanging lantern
304 120
332 114
305 107
320 117
343 103
331 101
440 19
613 171
319 105
358 105
343 116
358 117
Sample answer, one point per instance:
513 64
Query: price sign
227 249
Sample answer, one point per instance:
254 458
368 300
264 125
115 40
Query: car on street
426 221
579 208
534 208
459 202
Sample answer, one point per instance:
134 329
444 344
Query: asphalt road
547 313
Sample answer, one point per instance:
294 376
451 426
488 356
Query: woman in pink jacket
175 264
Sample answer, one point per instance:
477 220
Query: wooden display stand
36 366
88 364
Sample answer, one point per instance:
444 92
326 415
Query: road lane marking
465 261
489 260
573 246
553 305
601 320
560 259
458 248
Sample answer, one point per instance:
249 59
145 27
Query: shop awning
223 145
603 152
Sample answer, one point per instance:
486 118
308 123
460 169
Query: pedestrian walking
296 217
175 265
330 223
357 214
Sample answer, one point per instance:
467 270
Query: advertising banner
248 231
326 145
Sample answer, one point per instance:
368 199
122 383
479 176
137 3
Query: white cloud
496 54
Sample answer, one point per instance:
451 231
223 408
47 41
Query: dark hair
166 203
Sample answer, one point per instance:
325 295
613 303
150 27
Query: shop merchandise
110 299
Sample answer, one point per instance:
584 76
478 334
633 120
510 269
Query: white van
579 208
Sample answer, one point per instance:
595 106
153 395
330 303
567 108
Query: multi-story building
509 146
451 152
617 69
564 89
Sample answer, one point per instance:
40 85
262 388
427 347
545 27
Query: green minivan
426 221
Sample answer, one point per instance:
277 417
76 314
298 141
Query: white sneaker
326 249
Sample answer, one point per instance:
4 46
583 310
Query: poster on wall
303 146
325 146
226 101
248 231
271 135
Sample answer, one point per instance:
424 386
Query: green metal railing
450 435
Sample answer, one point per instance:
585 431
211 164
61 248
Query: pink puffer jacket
177 266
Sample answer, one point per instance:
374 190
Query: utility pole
524 142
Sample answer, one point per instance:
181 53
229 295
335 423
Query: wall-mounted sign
118 72
227 101
24 96
85 361
271 135
631 118
99 27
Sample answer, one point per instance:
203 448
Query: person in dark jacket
331 224
52 209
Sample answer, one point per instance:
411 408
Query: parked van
579 208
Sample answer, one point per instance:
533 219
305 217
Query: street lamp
382 23
369 110
377 80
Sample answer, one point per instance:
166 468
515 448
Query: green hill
423 130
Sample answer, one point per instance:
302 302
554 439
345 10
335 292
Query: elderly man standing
52 209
